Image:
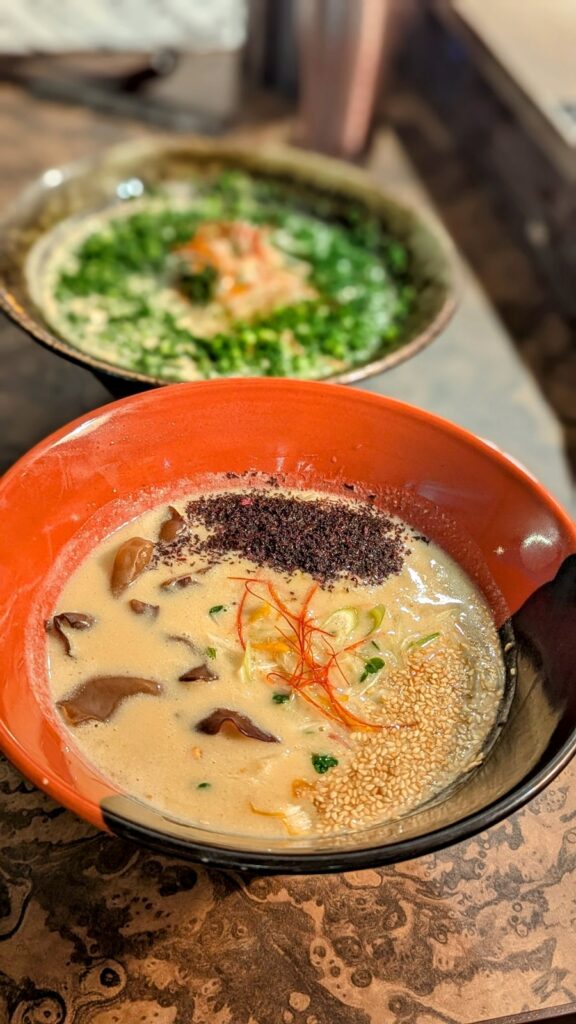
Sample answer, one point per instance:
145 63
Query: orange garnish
286 819
311 672
301 787
259 613
274 646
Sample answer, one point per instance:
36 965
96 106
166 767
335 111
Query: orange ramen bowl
487 512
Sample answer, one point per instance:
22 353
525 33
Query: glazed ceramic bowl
490 514
90 185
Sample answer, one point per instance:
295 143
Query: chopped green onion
211 652
366 288
371 667
246 666
197 286
342 622
423 641
323 762
376 615
216 608
280 698
203 785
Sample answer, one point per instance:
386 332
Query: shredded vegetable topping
305 657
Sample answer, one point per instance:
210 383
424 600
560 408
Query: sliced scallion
423 641
376 616
342 622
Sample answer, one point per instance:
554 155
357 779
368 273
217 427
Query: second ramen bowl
52 209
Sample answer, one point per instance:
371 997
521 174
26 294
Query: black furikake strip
328 539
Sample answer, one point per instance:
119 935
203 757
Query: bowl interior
488 513
93 184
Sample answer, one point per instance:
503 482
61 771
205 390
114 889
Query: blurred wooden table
94 930
528 51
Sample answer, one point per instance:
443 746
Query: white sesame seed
391 771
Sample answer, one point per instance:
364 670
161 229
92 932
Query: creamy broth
276 702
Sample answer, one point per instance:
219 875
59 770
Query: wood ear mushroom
131 559
213 723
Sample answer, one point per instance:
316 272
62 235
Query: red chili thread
308 672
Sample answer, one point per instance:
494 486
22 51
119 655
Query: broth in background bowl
103 523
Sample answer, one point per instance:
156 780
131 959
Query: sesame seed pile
393 771
323 537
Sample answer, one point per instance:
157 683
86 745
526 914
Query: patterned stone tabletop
94 930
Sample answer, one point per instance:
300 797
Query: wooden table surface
94 930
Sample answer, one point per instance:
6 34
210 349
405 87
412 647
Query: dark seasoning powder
322 537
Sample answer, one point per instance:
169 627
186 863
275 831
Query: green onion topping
371 667
323 762
423 641
376 615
